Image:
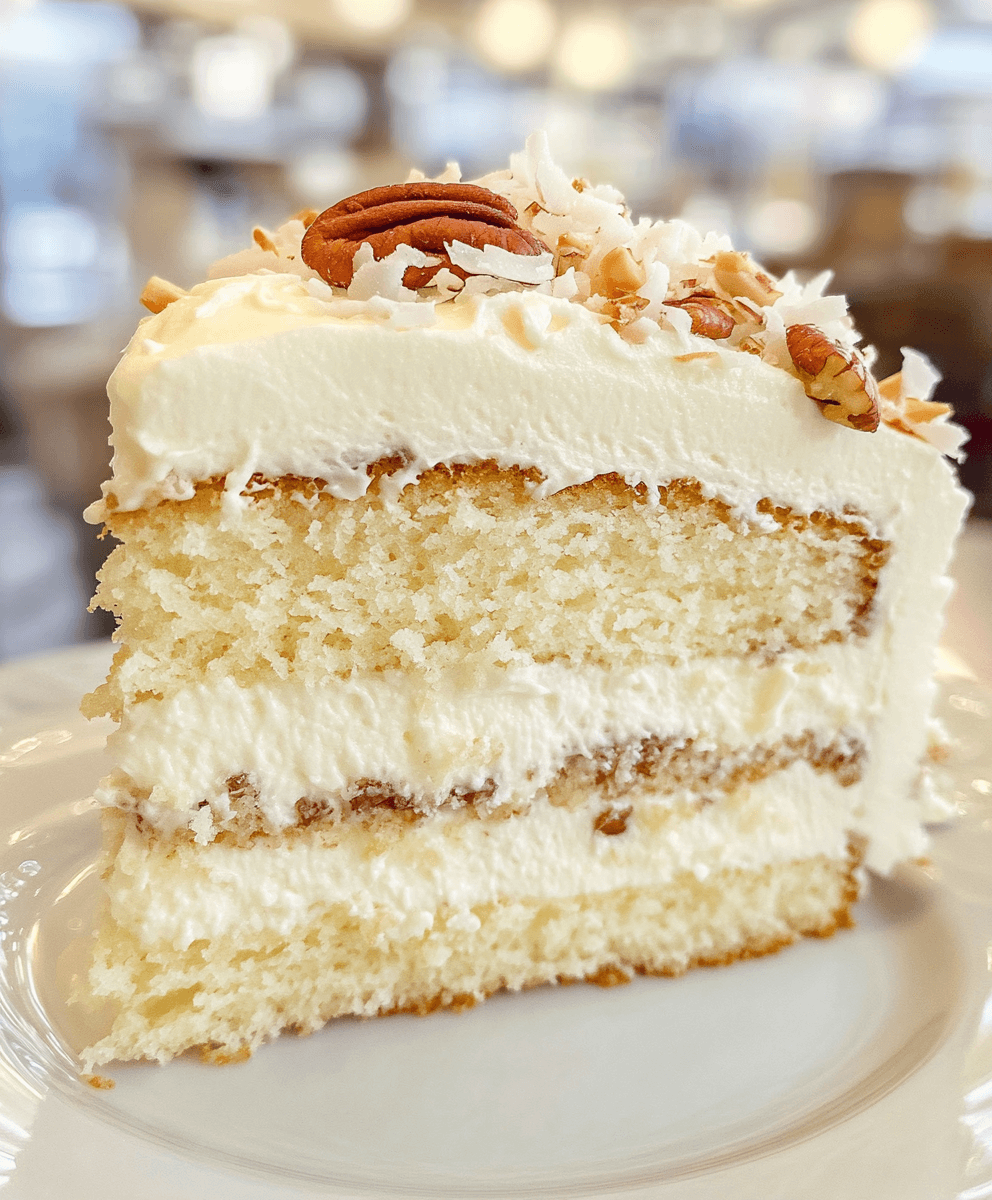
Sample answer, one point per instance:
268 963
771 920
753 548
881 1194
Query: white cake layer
454 861
256 374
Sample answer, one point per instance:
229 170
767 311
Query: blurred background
148 137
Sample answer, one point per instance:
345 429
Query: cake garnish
907 407
835 377
159 293
430 217
709 318
398 254
737 275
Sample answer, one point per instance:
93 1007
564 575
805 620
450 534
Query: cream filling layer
452 862
516 728
425 737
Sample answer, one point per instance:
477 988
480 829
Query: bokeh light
515 35
889 35
595 51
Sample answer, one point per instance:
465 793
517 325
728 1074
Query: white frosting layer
259 374
456 862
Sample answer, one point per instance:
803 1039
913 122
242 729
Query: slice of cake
496 607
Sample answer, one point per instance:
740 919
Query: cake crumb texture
466 568
227 996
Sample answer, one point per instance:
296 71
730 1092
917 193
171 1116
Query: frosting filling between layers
508 736
455 861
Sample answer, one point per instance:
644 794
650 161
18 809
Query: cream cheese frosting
258 375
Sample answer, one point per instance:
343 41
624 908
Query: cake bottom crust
224 998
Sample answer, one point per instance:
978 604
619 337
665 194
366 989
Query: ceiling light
595 52
515 35
372 16
888 35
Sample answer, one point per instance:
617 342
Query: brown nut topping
835 378
620 274
159 293
736 275
708 318
612 821
423 215
262 240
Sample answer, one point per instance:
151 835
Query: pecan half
835 378
708 318
423 215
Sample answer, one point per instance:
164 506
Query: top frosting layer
541 361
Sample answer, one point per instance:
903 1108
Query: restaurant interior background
151 136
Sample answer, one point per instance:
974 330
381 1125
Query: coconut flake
285 258
320 290
486 285
448 284
919 375
493 260
917 382
681 322
384 276
565 286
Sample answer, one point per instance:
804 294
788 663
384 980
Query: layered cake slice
496 607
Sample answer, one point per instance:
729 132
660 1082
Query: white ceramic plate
833 1069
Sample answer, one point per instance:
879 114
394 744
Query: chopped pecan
612 820
423 215
620 274
624 309
159 293
835 378
736 275
709 319
262 240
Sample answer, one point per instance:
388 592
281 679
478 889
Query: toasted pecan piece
159 293
837 379
736 275
620 274
709 318
423 215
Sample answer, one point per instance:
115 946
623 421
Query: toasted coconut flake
620 274
907 407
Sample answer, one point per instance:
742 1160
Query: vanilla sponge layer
223 950
468 569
